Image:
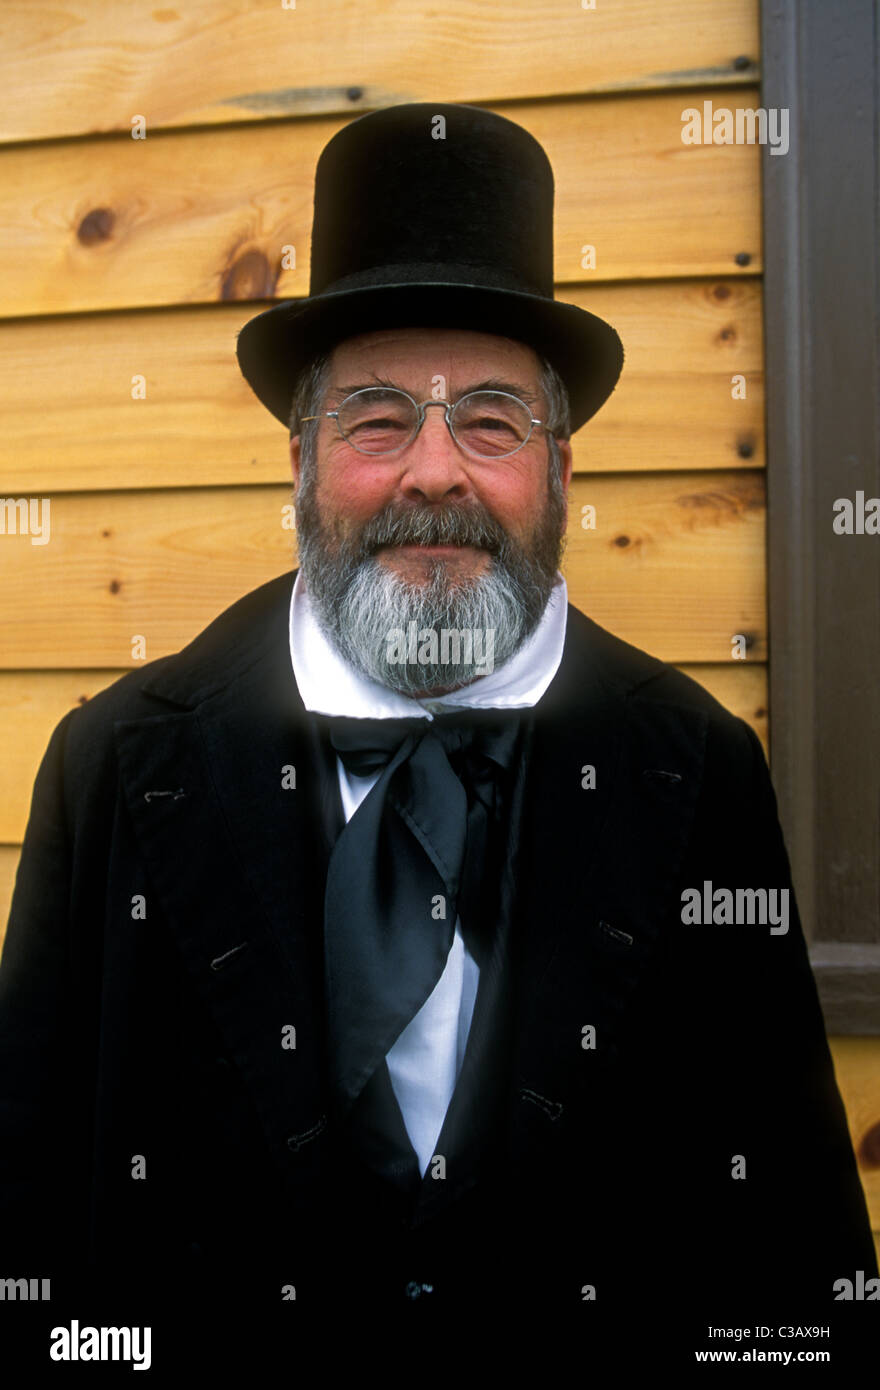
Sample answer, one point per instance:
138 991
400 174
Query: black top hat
436 216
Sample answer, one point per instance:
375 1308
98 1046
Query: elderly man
358 956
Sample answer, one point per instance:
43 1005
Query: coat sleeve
792 1213
44 1098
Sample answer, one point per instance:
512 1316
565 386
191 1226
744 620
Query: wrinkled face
432 471
429 534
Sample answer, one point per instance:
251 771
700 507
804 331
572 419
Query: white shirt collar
330 685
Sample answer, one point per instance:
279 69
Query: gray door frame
821 230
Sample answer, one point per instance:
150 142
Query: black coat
155 1030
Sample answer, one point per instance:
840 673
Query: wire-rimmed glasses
381 420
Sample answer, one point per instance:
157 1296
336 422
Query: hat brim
277 344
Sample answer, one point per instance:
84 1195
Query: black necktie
410 860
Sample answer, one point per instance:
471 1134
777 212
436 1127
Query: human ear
295 458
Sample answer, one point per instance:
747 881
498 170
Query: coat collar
255 629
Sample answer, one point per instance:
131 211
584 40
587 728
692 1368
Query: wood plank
674 406
857 1066
69 422
674 565
32 703
201 216
93 66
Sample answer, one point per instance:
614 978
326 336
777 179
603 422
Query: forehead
415 356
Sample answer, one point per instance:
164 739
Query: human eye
490 424
376 422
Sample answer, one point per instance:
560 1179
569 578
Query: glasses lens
378 420
491 424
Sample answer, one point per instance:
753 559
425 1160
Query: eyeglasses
384 420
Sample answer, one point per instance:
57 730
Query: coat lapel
597 864
235 851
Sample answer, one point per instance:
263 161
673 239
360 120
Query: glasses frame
421 407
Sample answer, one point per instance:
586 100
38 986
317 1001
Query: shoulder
231 643
655 691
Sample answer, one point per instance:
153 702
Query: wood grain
675 565
91 65
201 216
70 423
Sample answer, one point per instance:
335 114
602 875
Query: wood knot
96 226
721 292
745 447
115 586
727 334
869 1149
249 277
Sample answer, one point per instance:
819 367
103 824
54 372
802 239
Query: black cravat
411 859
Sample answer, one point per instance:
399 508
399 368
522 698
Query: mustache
416 524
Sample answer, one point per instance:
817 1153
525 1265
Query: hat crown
430 215
440 189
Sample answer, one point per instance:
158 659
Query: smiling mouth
422 547
415 545
417 551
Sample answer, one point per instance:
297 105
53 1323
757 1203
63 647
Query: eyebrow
526 395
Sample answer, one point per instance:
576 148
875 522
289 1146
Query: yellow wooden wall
126 258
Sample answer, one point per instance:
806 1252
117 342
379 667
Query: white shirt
425 1061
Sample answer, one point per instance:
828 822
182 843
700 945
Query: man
354 959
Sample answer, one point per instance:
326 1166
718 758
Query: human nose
433 463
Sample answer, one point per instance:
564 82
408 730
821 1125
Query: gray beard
402 634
